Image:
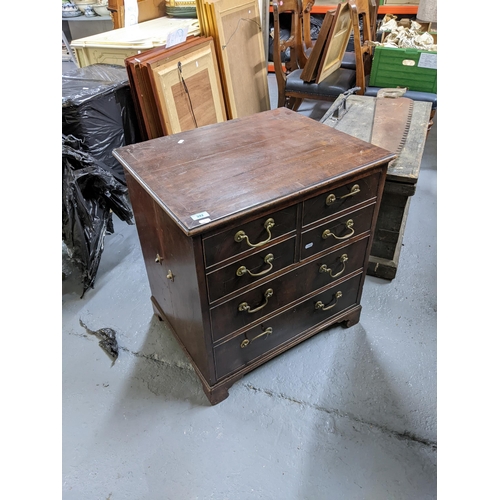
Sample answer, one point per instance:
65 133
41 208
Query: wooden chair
367 11
292 90
363 51
307 42
293 43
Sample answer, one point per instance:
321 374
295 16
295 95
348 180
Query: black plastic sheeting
98 116
92 193
98 108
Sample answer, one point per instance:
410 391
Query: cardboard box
411 68
147 10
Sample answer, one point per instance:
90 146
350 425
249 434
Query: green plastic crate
411 68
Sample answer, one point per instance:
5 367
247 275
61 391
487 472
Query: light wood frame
240 47
338 38
190 95
310 70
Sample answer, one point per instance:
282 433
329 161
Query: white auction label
201 215
176 36
428 60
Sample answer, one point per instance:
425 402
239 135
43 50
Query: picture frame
336 44
310 70
240 49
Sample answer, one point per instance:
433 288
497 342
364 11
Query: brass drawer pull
320 305
240 235
245 307
354 190
266 332
325 269
268 259
349 225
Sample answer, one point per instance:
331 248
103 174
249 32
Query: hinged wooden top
358 122
207 176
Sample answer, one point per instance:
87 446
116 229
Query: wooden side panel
386 267
139 82
135 98
389 224
166 249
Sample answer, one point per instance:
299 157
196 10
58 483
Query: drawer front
254 235
341 198
258 266
336 232
246 348
335 266
290 287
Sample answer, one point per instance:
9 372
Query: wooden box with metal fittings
255 233
399 125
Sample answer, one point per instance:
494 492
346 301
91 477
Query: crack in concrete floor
405 436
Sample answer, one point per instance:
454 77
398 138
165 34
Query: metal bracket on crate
339 108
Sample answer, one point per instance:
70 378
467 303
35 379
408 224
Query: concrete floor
348 414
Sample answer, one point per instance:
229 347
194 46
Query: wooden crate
414 69
390 228
400 184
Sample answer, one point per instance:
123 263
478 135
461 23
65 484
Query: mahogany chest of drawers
255 233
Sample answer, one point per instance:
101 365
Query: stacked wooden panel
329 49
235 26
178 88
